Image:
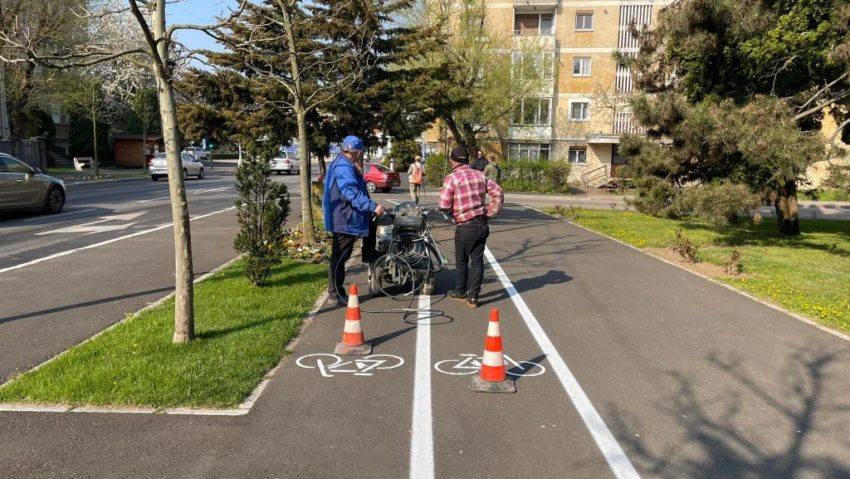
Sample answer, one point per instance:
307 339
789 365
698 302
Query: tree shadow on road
85 304
551 277
718 437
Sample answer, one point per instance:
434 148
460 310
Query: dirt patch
706 269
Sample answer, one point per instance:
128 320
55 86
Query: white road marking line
103 243
617 460
393 202
96 226
65 214
422 437
155 199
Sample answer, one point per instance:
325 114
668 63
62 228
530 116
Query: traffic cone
352 333
493 378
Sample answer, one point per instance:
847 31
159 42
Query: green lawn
242 332
809 275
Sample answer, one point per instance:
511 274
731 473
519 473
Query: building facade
582 109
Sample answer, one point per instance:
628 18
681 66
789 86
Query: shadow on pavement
718 439
84 304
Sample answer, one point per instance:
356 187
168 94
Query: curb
775 307
241 410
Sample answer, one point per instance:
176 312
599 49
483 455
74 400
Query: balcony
541 134
624 124
525 41
534 4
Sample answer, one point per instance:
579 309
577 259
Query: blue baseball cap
352 143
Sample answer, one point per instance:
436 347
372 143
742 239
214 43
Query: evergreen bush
262 208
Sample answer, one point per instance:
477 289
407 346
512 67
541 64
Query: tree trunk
470 139
301 118
304 173
184 314
450 122
145 145
787 212
323 167
94 138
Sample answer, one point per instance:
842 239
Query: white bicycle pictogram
471 364
331 364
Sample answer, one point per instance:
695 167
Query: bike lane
691 379
535 432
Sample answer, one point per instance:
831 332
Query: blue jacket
348 208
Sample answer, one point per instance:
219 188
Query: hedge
517 176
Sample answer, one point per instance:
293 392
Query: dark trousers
470 240
341 249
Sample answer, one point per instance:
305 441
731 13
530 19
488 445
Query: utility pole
5 129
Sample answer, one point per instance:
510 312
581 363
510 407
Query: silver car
23 187
285 162
158 166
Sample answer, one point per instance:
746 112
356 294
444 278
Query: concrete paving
691 380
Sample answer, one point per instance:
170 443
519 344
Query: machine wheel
201 174
374 283
370 187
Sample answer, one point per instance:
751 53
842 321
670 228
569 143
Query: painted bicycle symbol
471 364
331 364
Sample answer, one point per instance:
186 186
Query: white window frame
524 151
541 103
584 66
587 110
540 31
546 68
572 149
584 28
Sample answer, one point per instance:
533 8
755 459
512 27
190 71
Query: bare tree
90 45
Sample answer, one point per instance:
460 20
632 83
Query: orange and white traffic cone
352 333
493 378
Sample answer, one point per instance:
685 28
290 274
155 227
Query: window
533 65
533 24
580 111
9 165
584 21
532 111
528 151
581 66
578 155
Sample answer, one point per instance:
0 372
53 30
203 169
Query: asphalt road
643 367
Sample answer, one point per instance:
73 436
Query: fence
31 151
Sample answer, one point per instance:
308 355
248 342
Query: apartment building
582 109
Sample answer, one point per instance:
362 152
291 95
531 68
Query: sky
198 12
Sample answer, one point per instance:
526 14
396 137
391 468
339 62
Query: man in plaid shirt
464 196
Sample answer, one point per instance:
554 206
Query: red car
379 177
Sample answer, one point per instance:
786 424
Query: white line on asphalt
155 199
64 215
103 243
617 460
393 202
422 437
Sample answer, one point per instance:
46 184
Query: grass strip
241 333
809 274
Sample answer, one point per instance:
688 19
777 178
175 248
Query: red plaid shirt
464 191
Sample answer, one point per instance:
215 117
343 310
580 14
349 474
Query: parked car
285 162
199 153
191 166
379 177
23 187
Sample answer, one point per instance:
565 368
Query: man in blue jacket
348 214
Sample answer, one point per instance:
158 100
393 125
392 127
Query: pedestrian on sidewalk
463 196
414 177
480 162
492 171
348 215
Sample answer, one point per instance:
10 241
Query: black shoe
338 300
457 295
472 301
